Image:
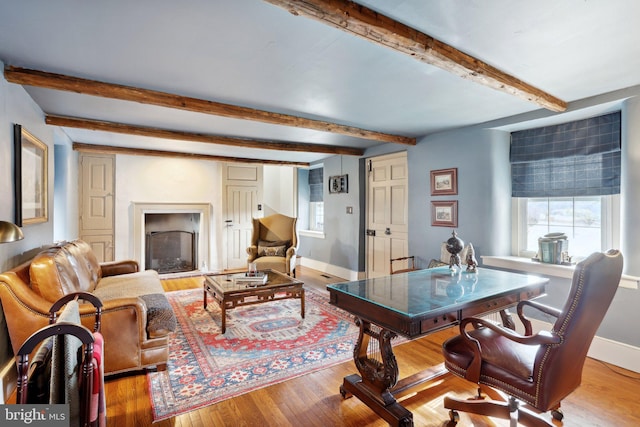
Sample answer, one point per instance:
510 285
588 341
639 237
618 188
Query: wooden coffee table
229 295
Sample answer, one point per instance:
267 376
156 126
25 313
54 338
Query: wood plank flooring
608 395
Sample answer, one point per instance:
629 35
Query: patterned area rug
264 344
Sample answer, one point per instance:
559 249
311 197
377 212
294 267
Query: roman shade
580 158
315 185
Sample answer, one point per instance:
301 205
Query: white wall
279 190
142 179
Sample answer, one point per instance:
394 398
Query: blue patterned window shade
315 185
580 158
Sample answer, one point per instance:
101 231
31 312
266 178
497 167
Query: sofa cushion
63 269
129 285
145 285
54 276
85 258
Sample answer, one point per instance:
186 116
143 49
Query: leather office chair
540 369
274 243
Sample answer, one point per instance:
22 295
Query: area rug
264 344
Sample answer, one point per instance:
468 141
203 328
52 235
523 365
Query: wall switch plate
350 210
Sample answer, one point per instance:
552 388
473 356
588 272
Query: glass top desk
415 304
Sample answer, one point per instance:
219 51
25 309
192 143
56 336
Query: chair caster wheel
557 414
454 417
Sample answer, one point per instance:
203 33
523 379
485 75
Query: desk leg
378 370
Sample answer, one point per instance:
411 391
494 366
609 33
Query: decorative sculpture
472 262
454 247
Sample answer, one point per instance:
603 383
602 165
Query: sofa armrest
115 268
137 313
124 330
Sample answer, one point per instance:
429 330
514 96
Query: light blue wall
340 247
65 199
16 106
484 191
484 216
484 197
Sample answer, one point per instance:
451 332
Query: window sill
314 234
529 266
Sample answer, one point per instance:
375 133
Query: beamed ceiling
292 82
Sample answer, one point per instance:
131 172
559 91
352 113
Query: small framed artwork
30 180
444 182
444 214
339 184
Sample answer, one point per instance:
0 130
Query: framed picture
445 213
30 178
444 182
339 184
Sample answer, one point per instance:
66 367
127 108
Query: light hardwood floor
608 395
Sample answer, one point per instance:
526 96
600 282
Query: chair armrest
252 251
473 371
291 252
540 307
115 268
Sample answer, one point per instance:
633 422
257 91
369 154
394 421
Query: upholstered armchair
535 371
274 243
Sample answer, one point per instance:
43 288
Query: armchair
274 243
537 369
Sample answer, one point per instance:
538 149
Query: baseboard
334 270
8 380
616 353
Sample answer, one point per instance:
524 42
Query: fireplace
171 237
171 251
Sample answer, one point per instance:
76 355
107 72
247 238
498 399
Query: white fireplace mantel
142 209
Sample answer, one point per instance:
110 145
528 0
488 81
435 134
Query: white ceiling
253 54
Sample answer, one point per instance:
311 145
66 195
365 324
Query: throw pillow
272 248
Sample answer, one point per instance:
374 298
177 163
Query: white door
243 202
97 190
387 217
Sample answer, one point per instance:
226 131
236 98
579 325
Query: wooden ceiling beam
110 149
382 30
99 125
62 82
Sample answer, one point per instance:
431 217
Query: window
316 203
310 202
566 178
586 221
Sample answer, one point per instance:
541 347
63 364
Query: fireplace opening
171 251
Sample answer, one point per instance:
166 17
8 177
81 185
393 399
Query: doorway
387 212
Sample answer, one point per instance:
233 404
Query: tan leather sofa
136 318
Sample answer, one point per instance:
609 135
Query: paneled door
387 216
96 203
242 203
